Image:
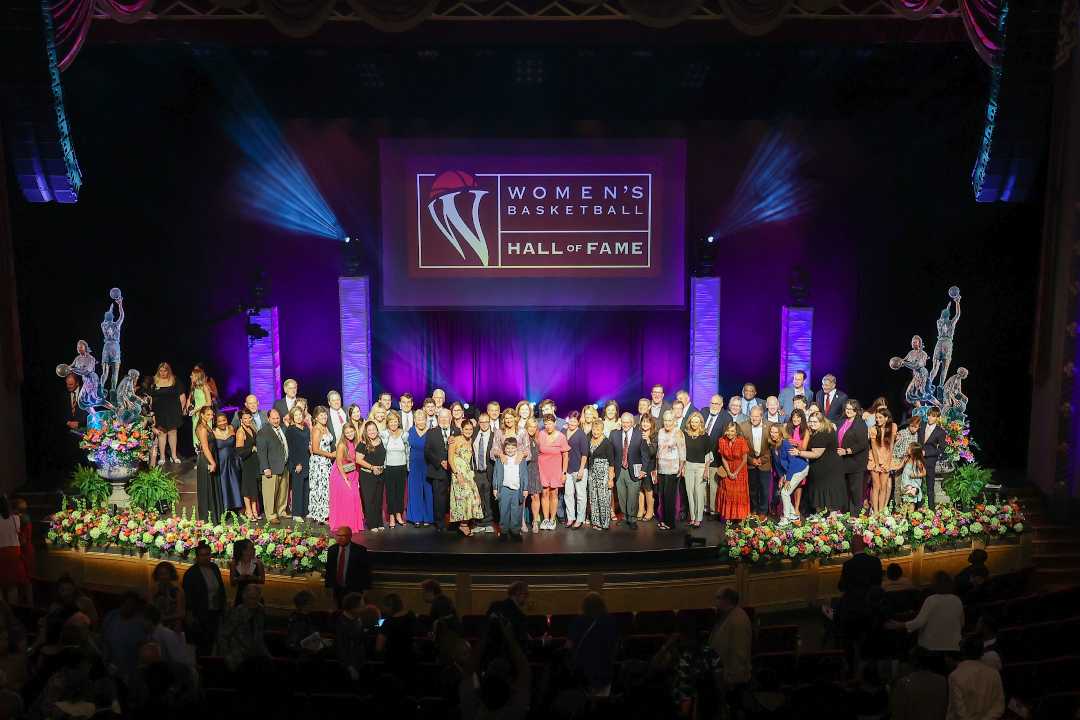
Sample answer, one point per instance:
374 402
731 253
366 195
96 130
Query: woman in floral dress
322 459
464 497
601 469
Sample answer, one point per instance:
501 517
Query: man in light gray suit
273 459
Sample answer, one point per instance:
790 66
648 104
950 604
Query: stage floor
618 547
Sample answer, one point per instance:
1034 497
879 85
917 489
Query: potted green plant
966 483
153 489
90 486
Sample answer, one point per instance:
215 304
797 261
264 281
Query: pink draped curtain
300 18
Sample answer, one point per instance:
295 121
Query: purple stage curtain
72 18
981 19
574 357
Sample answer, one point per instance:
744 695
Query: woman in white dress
322 459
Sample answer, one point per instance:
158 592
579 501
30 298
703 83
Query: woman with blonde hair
670 466
828 492
523 411
198 398
169 400
698 447
397 467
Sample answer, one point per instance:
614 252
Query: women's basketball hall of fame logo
443 206
509 221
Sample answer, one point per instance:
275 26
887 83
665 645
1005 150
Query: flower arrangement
884 533
959 446
286 549
117 443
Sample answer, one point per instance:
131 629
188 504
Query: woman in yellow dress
464 497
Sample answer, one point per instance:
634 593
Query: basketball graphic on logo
451 181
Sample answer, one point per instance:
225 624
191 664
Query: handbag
721 472
348 467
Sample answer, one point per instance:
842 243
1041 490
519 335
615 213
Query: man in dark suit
932 439
436 457
830 400
483 471
853 450
347 567
258 417
626 441
758 462
273 459
74 416
657 405
204 599
714 428
285 404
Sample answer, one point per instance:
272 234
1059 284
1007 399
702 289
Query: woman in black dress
298 436
169 399
250 473
646 501
207 484
371 459
828 492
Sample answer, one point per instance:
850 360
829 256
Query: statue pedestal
119 496
118 475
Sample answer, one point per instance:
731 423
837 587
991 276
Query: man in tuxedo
405 406
337 415
657 405
483 469
436 457
204 598
759 462
797 387
258 417
347 567
714 428
626 441
284 405
932 438
830 400
74 416
774 415
274 460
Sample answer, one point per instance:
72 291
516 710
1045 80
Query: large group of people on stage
526 468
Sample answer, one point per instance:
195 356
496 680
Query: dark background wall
892 133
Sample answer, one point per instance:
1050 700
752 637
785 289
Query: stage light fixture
347 238
465 405
710 239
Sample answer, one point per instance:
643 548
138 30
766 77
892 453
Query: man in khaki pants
273 459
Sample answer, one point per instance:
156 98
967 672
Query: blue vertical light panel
264 358
704 339
796 341
354 298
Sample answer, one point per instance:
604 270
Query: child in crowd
510 484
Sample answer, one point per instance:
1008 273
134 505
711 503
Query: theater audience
976 559
731 640
895 579
302 636
940 620
350 637
245 568
593 641
395 639
204 596
975 689
242 637
167 595
921 694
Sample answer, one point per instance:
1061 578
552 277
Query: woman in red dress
733 495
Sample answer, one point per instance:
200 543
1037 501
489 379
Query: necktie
708 425
828 402
446 437
341 566
281 439
625 449
74 403
481 465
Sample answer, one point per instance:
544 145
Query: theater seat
653 622
777 638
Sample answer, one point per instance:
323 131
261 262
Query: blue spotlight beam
276 187
769 189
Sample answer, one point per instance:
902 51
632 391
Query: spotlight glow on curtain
354 299
796 342
704 339
264 358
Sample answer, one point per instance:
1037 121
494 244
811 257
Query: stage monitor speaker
1017 112
42 154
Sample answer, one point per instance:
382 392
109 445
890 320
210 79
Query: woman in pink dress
554 453
345 508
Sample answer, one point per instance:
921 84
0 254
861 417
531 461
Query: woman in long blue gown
418 510
228 463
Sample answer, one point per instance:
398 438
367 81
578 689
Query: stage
638 569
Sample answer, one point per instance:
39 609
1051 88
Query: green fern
966 483
91 487
150 487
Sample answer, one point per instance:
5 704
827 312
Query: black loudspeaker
40 147
1018 110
